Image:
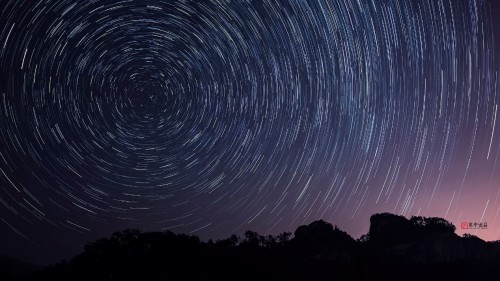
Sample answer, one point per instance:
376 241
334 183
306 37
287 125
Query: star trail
214 117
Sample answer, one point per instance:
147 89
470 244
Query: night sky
213 117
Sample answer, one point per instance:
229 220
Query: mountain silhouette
395 248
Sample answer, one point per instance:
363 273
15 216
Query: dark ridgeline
395 248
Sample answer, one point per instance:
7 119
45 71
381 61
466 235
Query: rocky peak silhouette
418 247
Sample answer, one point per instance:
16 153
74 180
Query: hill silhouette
395 248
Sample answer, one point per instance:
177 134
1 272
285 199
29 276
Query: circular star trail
213 117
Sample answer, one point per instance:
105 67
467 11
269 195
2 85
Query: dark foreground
394 249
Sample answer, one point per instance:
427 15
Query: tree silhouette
394 246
